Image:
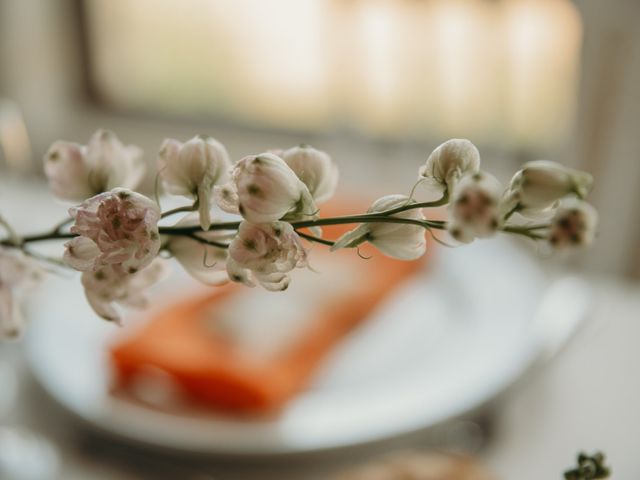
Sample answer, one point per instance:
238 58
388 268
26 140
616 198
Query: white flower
106 286
316 170
396 240
193 169
541 183
204 262
118 229
17 274
266 252
573 224
474 208
264 189
77 172
449 162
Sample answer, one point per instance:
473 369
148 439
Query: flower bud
315 169
76 172
573 224
117 229
266 252
541 183
106 286
193 169
449 162
473 210
266 190
396 240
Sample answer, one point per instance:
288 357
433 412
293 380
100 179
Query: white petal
352 238
408 243
113 164
315 169
205 263
175 178
450 161
239 274
274 282
461 233
226 197
103 307
136 170
204 208
66 170
268 189
81 253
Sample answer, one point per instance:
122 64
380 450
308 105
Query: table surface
587 398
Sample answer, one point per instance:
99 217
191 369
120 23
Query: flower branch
115 239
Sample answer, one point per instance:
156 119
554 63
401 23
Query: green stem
511 212
410 206
204 241
383 217
313 238
525 231
186 208
41 237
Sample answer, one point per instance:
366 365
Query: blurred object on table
15 150
420 466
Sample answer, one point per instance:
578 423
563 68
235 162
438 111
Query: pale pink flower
449 162
204 262
77 172
266 252
192 169
264 189
573 225
118 229
474 210
315 168
108 286
17 275
396 240
540 184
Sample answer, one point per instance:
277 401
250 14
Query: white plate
445 343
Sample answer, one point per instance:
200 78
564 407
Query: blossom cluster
117 234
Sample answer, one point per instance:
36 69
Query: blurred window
501 71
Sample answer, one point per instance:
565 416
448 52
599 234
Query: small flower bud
573 224
193 169
396 240
473 211
315 169
541 183
266 190
76 172
449 162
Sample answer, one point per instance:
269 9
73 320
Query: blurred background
378 84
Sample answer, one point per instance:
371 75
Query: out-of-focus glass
15 149
501 72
